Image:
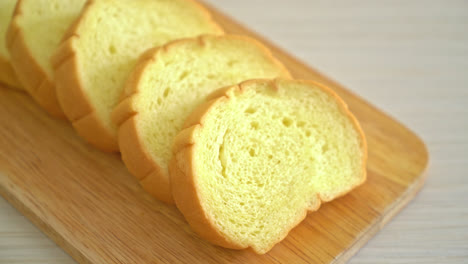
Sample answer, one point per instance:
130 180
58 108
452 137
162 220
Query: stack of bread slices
207 120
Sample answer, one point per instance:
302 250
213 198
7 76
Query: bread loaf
256 157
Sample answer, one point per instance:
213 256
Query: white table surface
409 58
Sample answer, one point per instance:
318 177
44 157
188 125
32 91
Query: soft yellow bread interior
44 22
6 11
263 157
181 75
114 33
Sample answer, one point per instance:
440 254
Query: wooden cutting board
88 203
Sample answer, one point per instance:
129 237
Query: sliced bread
102 48
168 83
35 31
252 161
7 75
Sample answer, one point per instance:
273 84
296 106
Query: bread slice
35 31
102 48
168 83
7 75
252 161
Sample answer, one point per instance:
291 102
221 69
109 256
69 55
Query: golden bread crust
184 174
134 154
137 160
7 74
184 190
76 105
28 71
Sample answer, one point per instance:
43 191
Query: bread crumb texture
269 153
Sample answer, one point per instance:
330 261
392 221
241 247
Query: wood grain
87 202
